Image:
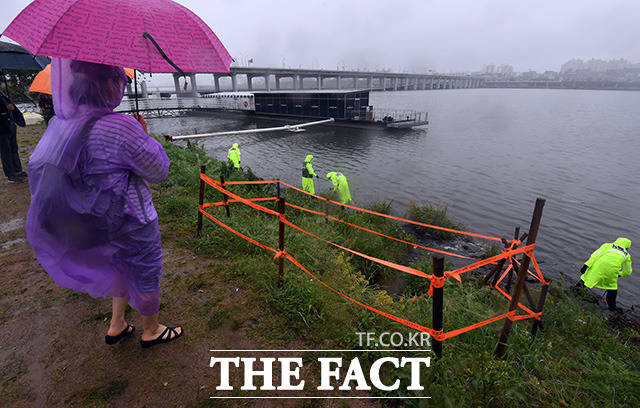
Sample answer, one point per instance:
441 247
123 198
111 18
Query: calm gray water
488 153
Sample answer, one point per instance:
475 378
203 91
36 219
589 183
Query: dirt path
52 350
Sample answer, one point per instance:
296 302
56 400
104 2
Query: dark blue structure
335 104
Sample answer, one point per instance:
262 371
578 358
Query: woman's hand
143 122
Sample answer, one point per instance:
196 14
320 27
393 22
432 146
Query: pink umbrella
149 35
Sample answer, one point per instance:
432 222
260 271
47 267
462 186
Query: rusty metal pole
281 207
224 197
203 170
438 300
543 296
513 264
277 193
522 274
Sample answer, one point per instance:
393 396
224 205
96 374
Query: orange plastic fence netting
437 335
422 224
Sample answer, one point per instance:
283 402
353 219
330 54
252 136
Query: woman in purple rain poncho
91 221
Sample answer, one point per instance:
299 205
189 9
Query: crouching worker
604 266
340 184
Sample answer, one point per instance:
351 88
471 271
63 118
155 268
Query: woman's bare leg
118 324
152 329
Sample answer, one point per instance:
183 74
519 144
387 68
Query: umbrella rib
162 54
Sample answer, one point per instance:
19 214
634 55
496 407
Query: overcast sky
417 35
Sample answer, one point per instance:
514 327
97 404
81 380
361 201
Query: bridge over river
269 79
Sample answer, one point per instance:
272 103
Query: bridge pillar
194 85
143 90
339 80
297 82
267 84
278 82
249 84
406 83
395 83
234 83
216 82
176 83
370 82
319 82
383 83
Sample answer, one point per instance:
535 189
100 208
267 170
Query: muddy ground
52 350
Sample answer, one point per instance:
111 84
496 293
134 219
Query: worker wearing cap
308 174
605 265
340 184
234 156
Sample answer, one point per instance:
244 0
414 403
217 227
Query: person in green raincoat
605 265
340 184
234 156
308 174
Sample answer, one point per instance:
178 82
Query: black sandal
123 334
173 335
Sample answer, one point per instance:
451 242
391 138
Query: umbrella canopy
149 35
13 56
42 82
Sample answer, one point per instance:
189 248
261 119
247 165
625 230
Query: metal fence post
438 300
224 197
522 274
281 207
203 170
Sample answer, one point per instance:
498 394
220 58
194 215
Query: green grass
434 215
577 361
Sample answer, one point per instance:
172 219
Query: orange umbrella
42 82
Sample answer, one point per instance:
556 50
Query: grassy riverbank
576 361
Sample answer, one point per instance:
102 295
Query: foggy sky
417 35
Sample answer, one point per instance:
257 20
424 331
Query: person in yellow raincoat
234 156
340 184
308 174
605 265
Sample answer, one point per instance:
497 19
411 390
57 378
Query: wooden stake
438 300
543 296
281 207
203 170
224 197
522 274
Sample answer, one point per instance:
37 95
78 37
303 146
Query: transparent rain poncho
91 221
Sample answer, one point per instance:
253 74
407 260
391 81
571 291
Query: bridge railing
399 115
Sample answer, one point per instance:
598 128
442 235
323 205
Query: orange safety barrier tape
438 281
456 332
401 268
537 268
206 205
250 182
473 234
223 225
210 181
381 234
279 254
520 305
437 335
488 261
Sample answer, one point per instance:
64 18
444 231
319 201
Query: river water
487 154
